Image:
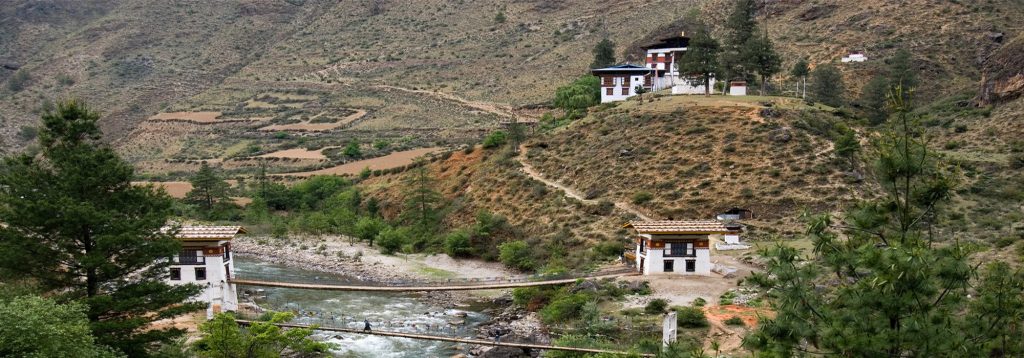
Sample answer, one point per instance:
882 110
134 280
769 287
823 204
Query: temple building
205 259
620 82
680 247
664 55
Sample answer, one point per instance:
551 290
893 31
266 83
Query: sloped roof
624 68
205 233
679 227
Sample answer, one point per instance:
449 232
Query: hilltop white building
855 56
663 55
620 82
205 259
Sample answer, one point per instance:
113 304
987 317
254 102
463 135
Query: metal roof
680 227
205 233
625 68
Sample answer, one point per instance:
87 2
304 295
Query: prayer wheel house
205 259
680 247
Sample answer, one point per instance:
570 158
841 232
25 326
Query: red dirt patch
747 313
198 117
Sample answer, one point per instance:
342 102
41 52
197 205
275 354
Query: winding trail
570 192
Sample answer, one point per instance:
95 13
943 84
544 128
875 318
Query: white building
856 56
205 259
663 55
680 247
738 88
619 82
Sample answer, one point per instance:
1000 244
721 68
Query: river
385 311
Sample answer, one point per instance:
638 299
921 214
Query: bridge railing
474 281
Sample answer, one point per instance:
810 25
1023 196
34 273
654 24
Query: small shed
736 214
737 88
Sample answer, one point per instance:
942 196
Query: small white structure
619 82
855 56
738 88
669 329
679 247
663 55
205 259
735 214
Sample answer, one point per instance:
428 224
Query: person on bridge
366 327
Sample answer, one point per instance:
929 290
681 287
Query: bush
642 197
392 239
734 321
610 248
516 254
699 302
656 306
18 81
564 308
495 139
691 317
457 244
726 298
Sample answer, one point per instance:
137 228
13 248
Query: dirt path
493 108
570 192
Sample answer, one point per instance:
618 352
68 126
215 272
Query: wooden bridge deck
483 342
336 287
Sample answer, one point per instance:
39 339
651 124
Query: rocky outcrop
1003 74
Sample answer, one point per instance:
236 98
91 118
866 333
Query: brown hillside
491 180
696 157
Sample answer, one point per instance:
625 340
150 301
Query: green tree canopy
422 201
76 224
762 58
579 95
800 71
208 189
873 100
222 337
827 85
604 54
741 26
901 70
32 326
882 282
701 59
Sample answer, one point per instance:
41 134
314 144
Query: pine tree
742 26
762 58
827 85
422 202
878 285
800 71
873 100
74 223
701 58
604 54
208 189
901 70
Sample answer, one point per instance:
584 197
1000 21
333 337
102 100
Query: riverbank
340 255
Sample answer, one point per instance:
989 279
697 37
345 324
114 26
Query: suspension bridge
447 285
483 342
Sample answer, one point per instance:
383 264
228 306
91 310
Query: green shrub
391 239
495 139
726 298
691 317
516 254
699 302
609 248
563 308
656 306
1004 242
734 321
642 197
457 244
